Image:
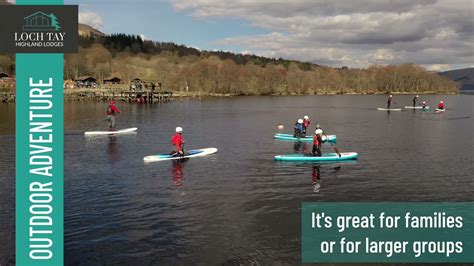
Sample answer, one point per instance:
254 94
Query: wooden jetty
124 96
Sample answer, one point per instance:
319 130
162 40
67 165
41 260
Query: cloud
437 67
90 18
359 33
382 55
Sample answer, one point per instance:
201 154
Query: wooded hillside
182 68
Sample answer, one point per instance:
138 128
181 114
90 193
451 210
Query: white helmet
318 131
306 117
424 102
318 126
391 95
300 121
441 102
417 96
179 129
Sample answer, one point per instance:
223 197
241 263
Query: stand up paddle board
389 109
190 154
439 110
115 132
281 136
417 107
324 157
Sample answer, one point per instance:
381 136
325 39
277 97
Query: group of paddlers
176 140
319 137
440 105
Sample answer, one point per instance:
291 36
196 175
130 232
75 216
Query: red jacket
306 123
316 140
440 105
177 141
112 109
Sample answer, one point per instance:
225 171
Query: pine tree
54 22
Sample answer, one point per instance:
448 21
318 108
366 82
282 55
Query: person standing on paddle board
415 99
441 105
389 101
317 141
178 141
299 130
111 111
306 123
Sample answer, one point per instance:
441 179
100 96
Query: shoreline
92 94
194 95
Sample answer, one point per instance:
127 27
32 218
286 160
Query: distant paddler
423 106
415 99
441 105
299 130
389 101
111 111
178 142
306 123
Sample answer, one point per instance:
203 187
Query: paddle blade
337 151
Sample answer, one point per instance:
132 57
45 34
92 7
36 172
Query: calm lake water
238 206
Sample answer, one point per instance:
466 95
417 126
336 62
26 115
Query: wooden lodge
113 80
86 82
4 75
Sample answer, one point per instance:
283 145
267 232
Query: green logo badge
40 21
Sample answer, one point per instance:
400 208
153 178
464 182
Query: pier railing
145 96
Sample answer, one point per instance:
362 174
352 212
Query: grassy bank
104 93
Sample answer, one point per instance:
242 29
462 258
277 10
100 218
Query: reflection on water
301 147
178 175
330 171
113 150
316 178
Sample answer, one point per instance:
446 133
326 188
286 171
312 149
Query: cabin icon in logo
41 21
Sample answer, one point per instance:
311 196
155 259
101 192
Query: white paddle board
114 132
416 107
190 154
391 109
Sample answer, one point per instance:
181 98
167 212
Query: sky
437 34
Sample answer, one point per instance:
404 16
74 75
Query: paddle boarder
423 106
111 111
178 141
441 105
306 123
415 99
389 101
299 130
317 141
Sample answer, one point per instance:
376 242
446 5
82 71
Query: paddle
336 150
182 149
332 144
